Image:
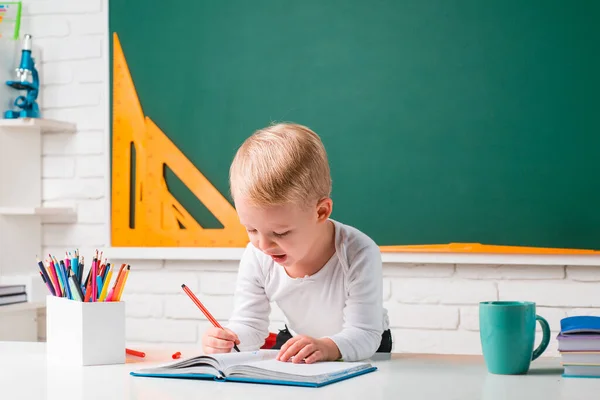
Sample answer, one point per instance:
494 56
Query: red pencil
93 279
88 293
135 353
204 310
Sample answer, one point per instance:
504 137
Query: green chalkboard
445 121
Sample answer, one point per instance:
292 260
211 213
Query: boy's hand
217 340
309 350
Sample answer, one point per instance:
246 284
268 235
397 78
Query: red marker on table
135 353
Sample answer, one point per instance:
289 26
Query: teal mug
507 332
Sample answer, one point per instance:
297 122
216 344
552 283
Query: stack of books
579 346
11 294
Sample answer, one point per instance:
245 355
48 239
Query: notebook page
227 360
201 370
315 369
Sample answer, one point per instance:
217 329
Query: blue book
580 324
581 370
579 344
258 367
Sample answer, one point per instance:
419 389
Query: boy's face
287 232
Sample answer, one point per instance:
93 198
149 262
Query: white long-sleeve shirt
342 301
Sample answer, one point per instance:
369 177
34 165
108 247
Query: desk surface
25 374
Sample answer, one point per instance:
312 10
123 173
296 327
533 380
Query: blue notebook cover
258 367
331 379
580 324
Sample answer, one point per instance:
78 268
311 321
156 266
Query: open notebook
258 367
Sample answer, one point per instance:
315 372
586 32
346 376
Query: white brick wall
432 308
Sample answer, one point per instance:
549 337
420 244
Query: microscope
27 80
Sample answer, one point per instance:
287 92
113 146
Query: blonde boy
325 276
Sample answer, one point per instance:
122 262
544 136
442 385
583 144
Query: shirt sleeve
360 336
250 317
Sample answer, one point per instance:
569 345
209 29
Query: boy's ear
324 209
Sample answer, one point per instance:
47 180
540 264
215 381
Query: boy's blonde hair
280 164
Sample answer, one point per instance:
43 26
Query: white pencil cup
79 333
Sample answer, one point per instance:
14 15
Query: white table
25 374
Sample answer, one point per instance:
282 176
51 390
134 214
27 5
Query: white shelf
42 124
20 307
29 276
22 216
55 215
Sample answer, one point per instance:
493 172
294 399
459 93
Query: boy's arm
363 313
250 317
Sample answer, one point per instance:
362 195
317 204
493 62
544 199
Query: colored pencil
64 277
204 310
45 276
106 285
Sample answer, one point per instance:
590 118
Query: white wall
8 50
433 308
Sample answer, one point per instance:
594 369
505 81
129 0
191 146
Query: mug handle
545 339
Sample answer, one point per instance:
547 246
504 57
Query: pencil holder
80 333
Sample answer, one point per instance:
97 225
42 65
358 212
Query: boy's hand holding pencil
219 340
216 339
